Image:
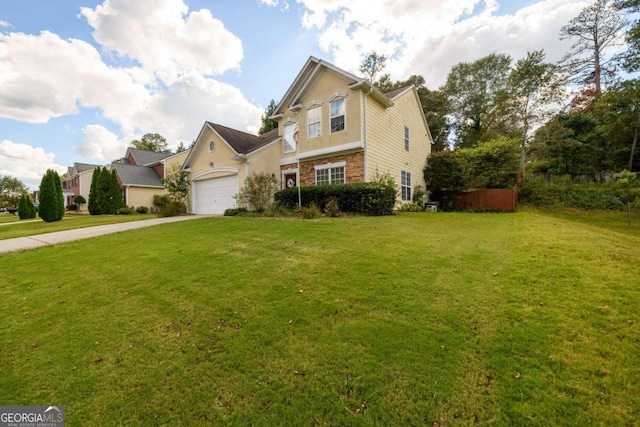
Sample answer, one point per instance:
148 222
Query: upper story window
337 115
405 185
314 122
290 136
406 138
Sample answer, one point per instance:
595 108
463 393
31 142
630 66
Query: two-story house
333 127
78 183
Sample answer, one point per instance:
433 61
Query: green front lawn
456 319
30 227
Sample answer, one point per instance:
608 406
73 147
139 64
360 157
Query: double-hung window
406 138
290 137
314 122
332 173
337 115
405 185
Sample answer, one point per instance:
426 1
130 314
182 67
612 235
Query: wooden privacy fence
501 199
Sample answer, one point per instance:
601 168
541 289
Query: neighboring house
77 183
333 127
140 173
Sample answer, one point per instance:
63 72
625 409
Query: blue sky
79 79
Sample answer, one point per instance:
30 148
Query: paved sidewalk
50 239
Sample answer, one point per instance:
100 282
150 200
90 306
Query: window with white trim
405 185
314 122
290 137
406 138
332 173
337 115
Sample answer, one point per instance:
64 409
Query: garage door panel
214 196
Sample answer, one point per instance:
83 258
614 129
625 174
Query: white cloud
5 24
101 144
164 37
429 37
26 163
43 76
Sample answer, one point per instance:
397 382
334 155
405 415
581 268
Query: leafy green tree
181 147
372 65
445 172
116 200
51 198
94 208
533 87
473 92
152 142
618 112
631 58
593 31
177 184
494 164
267 123
26 210
11 190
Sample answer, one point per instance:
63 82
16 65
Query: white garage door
214 196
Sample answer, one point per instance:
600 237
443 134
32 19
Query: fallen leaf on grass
518 375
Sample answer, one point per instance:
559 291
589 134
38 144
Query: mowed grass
14 227
456 319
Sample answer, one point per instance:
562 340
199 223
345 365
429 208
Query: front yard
455 319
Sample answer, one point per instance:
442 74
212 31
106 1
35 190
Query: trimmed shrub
26 210
142 209
310 212
410 207
234 211
126 210
72 207
368 198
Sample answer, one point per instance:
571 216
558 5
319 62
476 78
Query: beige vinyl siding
325 85
142 196
385 139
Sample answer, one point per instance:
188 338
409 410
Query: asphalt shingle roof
146 158
142 176
392 94
244 142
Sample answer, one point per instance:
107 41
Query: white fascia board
358 145
215 170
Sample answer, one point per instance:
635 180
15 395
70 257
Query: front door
290 180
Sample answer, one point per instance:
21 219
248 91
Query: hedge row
366 198
572 197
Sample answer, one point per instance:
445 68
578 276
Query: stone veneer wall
353 170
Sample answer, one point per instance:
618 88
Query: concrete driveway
51 239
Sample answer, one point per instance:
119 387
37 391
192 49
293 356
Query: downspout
246 175
365 136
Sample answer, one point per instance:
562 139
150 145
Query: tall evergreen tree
102 189
115 193
93 193
51 198
26 210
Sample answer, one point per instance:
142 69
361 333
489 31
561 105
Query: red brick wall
354 168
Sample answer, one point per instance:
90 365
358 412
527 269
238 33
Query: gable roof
243 142
137 176
79 167
394 93
145 157
311 70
